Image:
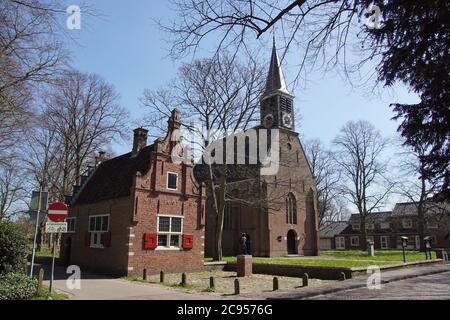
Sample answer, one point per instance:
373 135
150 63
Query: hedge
13 248
17 286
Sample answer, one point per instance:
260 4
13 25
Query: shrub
17 286
13 248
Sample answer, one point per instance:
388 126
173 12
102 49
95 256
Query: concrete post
305 279
237 289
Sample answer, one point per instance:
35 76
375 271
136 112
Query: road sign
55 227
57 212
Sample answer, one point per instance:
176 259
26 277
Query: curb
299 295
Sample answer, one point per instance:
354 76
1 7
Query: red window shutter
188 241
87 239
150 241
106 239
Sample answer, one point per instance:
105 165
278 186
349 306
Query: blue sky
126 47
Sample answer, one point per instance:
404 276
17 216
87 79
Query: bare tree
327 175
31 54
12 189
84 111
319 29
420 191
359 153
221 95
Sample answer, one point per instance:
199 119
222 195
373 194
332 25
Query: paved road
434 287
97 287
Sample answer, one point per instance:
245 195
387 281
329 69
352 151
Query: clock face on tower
286 118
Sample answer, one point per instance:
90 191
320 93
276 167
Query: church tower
277 104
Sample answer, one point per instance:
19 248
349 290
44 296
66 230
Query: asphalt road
430 287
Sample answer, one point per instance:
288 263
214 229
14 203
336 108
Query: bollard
211 283
40 281
237 289
342 277
305 279
144 275
275 284
183 279
161 276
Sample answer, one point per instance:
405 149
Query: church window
291 209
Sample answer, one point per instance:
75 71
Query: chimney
98 160
139 141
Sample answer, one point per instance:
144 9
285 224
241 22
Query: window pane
92 224
162 240
105 223
174 241
176 225
164 224
172 181
98 223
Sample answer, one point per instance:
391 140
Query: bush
13 248
17 286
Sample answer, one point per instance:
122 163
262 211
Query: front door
292 248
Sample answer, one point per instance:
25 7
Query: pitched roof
275 78
332 228
371 217
410 208
113 178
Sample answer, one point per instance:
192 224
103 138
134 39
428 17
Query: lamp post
427 241
404 244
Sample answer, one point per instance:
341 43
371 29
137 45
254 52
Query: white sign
56 227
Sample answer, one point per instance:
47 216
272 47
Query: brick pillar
244 265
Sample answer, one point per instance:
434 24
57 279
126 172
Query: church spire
275 78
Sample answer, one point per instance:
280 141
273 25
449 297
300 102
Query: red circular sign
57 212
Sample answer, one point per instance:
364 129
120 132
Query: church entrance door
291 247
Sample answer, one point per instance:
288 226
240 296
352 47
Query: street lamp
404 244
427 241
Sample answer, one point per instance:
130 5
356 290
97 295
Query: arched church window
291 209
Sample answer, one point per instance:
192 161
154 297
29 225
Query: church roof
275 78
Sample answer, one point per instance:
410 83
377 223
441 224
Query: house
386 228
327 233
138 211
278 211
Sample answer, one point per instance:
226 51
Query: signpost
57 213
39 200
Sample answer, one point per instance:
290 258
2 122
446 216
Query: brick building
282 216
386 228
138 210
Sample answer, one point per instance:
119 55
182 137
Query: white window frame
167 181
405 225
340 242
354 244
96 235
384 244
385 225
170 233
356 224
74 219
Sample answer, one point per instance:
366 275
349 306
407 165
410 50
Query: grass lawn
46 253
46 295
344 258
380 255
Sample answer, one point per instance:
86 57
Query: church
277 212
